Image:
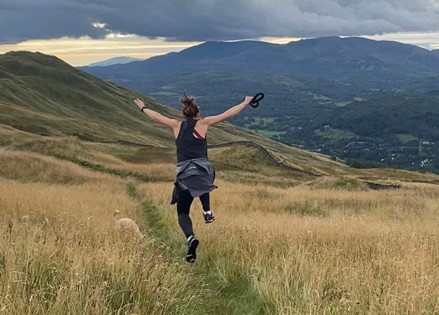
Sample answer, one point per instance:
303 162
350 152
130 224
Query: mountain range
333 58
308 85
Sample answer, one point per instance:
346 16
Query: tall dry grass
322 251
32 167
326 247
60 254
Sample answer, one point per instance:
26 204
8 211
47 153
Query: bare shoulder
202 124
212 120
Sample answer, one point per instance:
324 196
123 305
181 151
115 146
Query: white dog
126 224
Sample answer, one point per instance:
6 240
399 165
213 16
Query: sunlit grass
318 251
33 167
60 254
323 246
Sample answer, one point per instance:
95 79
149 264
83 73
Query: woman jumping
194 173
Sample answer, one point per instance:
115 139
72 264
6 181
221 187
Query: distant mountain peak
114 61
221 49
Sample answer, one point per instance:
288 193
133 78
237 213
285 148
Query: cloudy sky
83 31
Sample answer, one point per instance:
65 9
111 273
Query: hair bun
187 100
190 107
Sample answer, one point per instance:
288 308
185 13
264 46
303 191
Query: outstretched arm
173 123
212 120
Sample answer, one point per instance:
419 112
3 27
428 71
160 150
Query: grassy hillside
45 101
43 95
295 232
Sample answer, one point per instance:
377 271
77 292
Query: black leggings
184 202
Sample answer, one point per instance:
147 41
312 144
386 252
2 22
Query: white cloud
429 40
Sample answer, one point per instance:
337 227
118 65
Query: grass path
227 295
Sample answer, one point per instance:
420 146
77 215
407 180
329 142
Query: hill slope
42 95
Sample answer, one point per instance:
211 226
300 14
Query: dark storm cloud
20 20
214 19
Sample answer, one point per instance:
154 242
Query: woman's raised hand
139 103
248 99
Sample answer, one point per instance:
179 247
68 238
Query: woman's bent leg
205 202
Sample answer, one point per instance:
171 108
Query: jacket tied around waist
196 176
